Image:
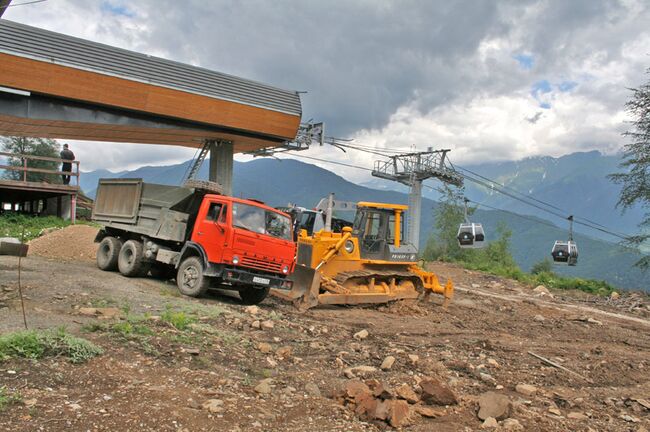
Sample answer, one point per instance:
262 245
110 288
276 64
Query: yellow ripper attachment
432 285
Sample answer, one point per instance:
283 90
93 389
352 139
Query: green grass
178 319
8 398
37 344
11 225
546 278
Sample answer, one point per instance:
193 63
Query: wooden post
73 208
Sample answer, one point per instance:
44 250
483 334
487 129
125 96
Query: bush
8 398
543 266
32 344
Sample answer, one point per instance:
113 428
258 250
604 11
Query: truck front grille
260 264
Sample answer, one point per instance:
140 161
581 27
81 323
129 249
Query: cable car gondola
470 235
566 252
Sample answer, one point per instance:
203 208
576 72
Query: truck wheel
250 295
108 252
131 260
190 279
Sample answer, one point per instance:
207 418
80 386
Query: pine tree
34 147
636 161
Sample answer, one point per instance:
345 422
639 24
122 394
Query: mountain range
278 182
573 184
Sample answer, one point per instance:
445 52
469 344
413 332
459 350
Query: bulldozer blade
304 292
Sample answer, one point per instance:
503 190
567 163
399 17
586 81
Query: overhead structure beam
412 169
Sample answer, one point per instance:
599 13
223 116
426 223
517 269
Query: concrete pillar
414 212
221 164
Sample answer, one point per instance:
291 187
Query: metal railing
25 169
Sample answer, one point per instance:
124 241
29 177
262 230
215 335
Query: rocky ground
502 357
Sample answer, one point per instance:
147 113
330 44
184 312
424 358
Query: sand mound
71 243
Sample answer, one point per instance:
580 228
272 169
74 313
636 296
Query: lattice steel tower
412 169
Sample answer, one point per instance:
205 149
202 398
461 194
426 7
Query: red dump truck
194 234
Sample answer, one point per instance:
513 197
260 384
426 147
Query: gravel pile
74 242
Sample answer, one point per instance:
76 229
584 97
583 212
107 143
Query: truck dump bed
154 210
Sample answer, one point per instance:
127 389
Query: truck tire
107 253
250 295
131 259
190 279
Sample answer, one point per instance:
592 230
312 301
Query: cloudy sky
490 80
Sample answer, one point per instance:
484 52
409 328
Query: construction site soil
521 357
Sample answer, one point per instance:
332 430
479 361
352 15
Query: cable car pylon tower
411 169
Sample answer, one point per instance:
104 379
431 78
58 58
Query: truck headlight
285 269
235 260
349 246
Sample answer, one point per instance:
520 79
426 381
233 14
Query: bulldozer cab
379 230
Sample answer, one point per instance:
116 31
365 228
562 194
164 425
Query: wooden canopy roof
182 104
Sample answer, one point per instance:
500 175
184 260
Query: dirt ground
274 369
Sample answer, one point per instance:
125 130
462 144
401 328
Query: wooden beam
92 87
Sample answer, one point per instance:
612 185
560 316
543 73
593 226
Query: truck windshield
261 221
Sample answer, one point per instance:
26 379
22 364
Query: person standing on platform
66 154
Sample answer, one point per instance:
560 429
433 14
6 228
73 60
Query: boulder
355 388
399 413
436 393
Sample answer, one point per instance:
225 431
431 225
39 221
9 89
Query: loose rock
387 363
264 347
399 413
430 412
213 405
406 392
577 416
362 370
264 387
526 389
252 310
489 423
312 390
512 425
495 405
541 290
267 325
361 334
436 393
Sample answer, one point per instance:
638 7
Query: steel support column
413 214
221 164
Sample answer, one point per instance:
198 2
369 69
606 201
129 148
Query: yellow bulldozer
363 262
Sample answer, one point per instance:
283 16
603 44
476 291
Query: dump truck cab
194 234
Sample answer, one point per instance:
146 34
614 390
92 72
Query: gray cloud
362 61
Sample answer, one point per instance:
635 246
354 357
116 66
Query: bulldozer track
342 277
335 285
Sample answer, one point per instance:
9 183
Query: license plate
261 280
